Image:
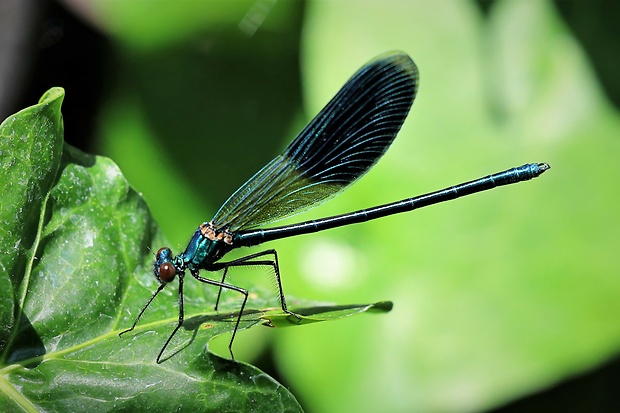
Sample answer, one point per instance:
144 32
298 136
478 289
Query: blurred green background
504 301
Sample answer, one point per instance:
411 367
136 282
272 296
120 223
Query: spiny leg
242 262
161 287
247 261
181 316
219 290
230 287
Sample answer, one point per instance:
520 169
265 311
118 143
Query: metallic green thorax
207 246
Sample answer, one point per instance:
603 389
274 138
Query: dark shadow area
484 5
595 25
594 392
65 52
193 323
27 347
72 156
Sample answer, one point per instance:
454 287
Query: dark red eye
167 272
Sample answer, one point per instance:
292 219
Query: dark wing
336 148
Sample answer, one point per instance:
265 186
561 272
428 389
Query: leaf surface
77 270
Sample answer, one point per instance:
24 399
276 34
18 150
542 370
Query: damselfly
334 150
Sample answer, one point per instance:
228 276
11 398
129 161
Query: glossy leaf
76 271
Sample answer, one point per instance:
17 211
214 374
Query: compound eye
159 252
167 272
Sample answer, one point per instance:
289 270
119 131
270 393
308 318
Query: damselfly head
164 268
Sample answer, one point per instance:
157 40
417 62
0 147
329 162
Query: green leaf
28 167
77 270
309 315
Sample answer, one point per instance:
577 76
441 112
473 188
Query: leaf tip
383 306
53 95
